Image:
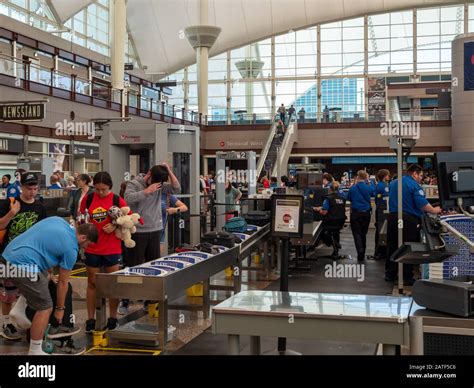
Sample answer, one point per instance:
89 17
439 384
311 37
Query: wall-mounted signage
22 112
86 151
11 145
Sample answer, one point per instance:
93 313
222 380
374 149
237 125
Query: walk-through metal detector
146 143
249 175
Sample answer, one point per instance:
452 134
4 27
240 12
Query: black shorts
98 261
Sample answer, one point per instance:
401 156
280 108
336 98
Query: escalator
274 158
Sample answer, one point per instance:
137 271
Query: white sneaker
39 352
123 308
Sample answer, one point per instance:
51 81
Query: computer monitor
309 180
455 172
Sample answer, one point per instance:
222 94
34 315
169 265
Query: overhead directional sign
22 111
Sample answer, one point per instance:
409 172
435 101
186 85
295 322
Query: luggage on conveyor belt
221 238
251 229
186 248
236 224
257 217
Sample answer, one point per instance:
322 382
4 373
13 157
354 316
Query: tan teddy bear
125 224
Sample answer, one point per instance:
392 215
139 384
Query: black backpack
90 197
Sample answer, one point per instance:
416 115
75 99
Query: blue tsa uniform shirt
13 191
413 197
359 195
381 192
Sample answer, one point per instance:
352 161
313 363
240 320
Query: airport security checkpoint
237 189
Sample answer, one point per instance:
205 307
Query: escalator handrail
266 149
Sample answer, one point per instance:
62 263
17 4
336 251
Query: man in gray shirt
143 195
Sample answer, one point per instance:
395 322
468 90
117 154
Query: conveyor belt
165 279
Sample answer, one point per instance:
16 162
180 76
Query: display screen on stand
287 216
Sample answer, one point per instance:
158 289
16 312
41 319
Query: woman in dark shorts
107 252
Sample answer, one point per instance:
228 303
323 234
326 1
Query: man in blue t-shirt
359 196
26 260
415 205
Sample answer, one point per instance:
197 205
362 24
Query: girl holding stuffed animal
107 251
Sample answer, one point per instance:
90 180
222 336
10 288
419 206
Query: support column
202 37
462 96
186 89
119 30
202 60
318 73
273 112
366 67
415 44
14 54
229 89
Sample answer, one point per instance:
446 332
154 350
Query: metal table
338 317
451 333
168 287
162 289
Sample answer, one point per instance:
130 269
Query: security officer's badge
12 191
421 192
387 189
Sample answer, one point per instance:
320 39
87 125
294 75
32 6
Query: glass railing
83 86
334 116
62 81
45 76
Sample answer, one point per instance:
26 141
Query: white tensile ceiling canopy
157 26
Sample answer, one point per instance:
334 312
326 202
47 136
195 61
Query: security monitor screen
310 180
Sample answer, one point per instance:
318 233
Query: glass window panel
306 61
306 48
331 47
471 25
331 60
427 29
380 32
427 15
401 17
401 43
353 59
358 22
428 55
401 30
80 16
374 69
446 55
448 28
285 49
307 35
379 20
451 13
379 45
353 46
398 57
353 33
20 3
285 38
285 72
79 27
331 34
425 42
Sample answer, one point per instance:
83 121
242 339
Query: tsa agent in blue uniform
334 212
359 196
415 205
381 196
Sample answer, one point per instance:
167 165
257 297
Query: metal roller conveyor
164 280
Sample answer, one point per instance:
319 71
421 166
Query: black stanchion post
284 281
